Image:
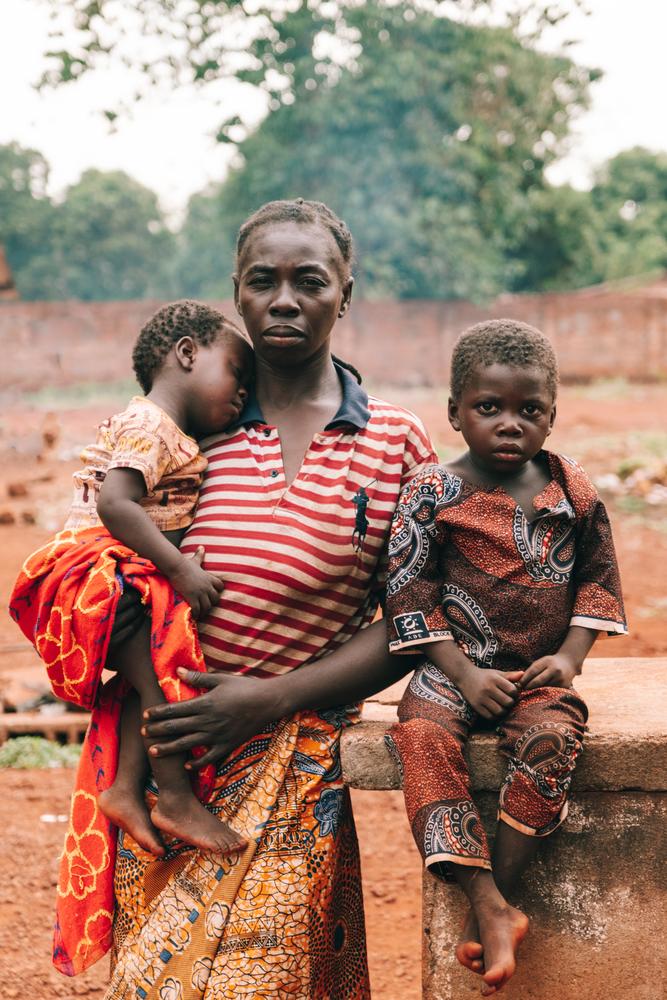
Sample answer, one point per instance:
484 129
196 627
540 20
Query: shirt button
274 473
267 432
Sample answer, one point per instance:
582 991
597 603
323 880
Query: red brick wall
597 333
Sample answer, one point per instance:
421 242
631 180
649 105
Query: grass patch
24 752
81 394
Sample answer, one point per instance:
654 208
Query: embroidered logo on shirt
410 627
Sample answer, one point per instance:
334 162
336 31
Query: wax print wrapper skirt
65 601
284 917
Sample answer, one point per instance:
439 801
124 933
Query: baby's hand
196 585
557 670
491 692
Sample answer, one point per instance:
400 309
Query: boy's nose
243 393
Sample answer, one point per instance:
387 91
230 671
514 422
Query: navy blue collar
353 410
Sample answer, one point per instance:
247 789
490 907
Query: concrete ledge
625 747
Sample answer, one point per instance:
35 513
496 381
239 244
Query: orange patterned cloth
284 918
65 601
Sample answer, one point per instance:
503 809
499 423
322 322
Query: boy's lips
508 451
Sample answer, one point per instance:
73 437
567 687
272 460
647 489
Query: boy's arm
560 669
120 512
490 692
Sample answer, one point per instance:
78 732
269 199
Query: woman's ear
453 414
347 295
235 279
186 352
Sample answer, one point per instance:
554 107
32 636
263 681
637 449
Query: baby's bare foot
469 948
502 928
184 817
125 806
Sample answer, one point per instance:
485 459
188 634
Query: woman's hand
232 710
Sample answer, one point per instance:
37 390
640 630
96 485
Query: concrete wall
597 333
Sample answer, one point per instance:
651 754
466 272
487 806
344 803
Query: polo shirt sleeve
598 600
414 600
418 452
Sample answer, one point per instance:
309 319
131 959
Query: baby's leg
124 803
178 812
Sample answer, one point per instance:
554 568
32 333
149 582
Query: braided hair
305 213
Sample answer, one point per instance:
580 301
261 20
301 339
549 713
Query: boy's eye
486 406
531 409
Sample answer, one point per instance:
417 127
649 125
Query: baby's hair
501 342
186 318
305 213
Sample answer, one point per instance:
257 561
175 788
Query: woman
294 513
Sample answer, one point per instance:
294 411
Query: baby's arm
491 693
120 512
560 669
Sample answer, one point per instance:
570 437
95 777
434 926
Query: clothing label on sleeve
411 626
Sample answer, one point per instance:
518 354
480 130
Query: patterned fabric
144 438
540 736
466 564
282 919
285 919
65 602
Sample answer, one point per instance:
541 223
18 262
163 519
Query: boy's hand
491 693
558 670
197 586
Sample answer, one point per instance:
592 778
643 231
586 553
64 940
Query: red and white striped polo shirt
296 584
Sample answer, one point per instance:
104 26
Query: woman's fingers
181 745
211 756
196 678
168 728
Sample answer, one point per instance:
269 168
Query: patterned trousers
540 736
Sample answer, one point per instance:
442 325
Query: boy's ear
186 352
552 419
453 414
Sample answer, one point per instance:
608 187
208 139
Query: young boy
141 482
502 571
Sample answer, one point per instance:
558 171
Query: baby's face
218 386
505 415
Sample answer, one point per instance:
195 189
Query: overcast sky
168 144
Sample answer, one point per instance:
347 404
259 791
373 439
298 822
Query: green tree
26 218
630 200
111 240
430 139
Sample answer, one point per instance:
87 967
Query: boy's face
505 415
218 386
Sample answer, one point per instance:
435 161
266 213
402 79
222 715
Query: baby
141 482
502 571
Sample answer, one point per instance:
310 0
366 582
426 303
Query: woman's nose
284 301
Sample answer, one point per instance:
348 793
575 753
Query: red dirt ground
599 425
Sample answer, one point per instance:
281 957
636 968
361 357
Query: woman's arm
234 708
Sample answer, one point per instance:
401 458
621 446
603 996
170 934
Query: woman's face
290 288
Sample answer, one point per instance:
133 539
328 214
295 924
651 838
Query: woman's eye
312 283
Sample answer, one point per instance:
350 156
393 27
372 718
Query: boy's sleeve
139 446
598 600
414 604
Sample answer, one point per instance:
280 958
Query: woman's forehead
290 244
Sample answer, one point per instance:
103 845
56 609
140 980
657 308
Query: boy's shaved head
501 342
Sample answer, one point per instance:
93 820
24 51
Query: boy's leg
178 812
542 737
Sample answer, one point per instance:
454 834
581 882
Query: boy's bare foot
125 806
184 817
469 948
502 928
